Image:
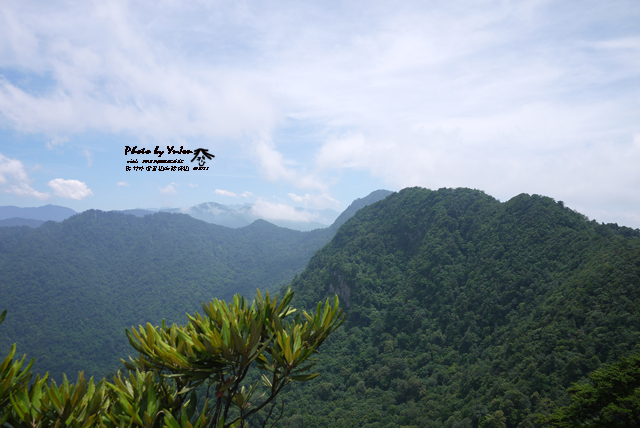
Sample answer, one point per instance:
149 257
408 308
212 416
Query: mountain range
33 217
461 311
233 216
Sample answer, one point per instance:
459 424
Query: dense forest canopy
72 287
463 311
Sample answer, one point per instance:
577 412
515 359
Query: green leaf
304 378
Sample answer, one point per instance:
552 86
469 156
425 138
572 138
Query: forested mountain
463 311
17 221
137 212
71 288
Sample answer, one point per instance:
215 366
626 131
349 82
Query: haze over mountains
33 217
242 215
233 216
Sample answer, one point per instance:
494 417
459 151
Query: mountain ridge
210 212
44 213
463 311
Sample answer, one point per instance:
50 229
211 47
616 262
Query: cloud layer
535 96
70 189
14 179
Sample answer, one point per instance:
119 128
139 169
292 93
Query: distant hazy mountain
235 216
214 213
45 213
324 218
17 221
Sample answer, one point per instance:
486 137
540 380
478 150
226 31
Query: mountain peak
371 198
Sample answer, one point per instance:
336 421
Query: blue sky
314 104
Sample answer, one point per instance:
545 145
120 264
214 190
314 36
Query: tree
495 420
611 398
218 350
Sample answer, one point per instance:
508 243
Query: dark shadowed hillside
463 311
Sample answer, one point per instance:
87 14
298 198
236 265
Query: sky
314 104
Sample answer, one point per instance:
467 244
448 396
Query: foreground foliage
216 350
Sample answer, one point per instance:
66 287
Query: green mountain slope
463 311
71 288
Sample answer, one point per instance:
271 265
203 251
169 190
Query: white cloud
192 185
57 141
276 211
315 201
89 157
295 197
352 151
107 71
625 43
124 183
209 209
169 189
14 179
276 168
503 96
569 158
70 189
225 193
244 194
